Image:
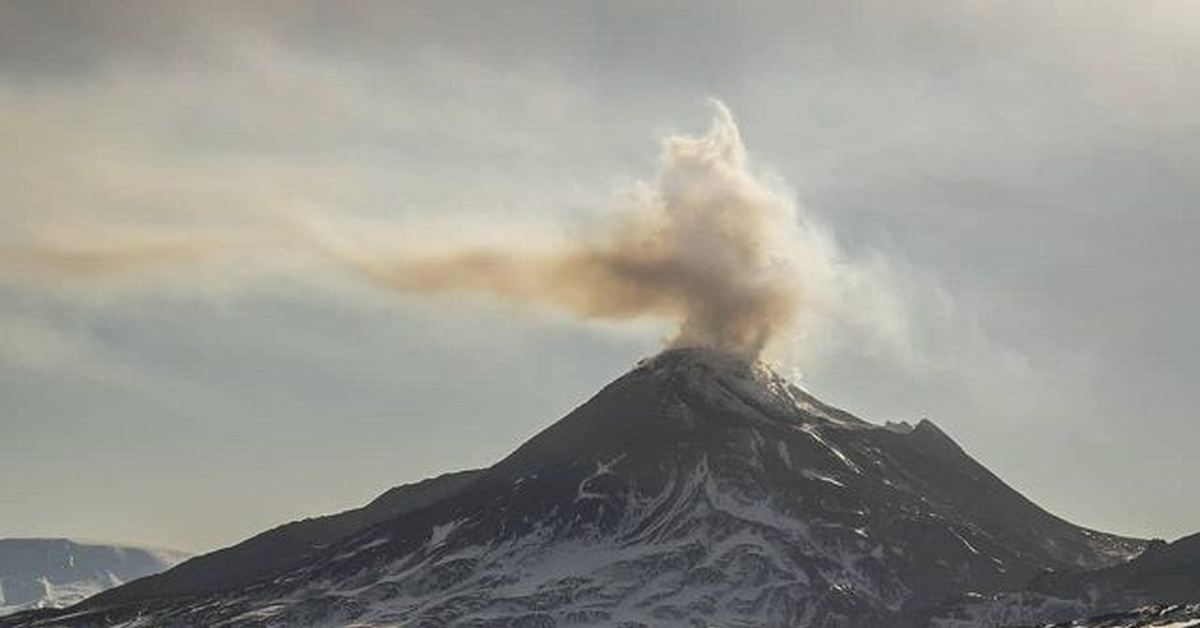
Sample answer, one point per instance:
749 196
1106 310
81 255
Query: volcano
699 489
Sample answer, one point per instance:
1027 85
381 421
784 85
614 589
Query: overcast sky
1010 187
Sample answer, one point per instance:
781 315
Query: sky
1001 194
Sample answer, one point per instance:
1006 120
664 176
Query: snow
970 548
815 475
784 454
54 573
602 469
440 533
816 435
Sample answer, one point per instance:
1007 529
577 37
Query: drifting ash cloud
709 245
90 259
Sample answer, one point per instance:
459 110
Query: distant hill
52 573
1160 587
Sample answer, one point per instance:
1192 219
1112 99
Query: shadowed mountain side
1166 573
1164 578
280 549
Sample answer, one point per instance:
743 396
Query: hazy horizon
993 205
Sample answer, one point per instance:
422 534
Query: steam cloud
708 247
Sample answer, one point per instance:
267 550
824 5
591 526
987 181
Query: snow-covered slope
1169 616
1159 616
696 490
51 573
1164 576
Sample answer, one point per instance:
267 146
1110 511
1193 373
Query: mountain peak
706 357
751 386
699 488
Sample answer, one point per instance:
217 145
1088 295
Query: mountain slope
1165 575
1170 616
283 548
49 573
697 489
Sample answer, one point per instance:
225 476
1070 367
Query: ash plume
709 245
108 257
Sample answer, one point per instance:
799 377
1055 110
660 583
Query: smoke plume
108 257
708 246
